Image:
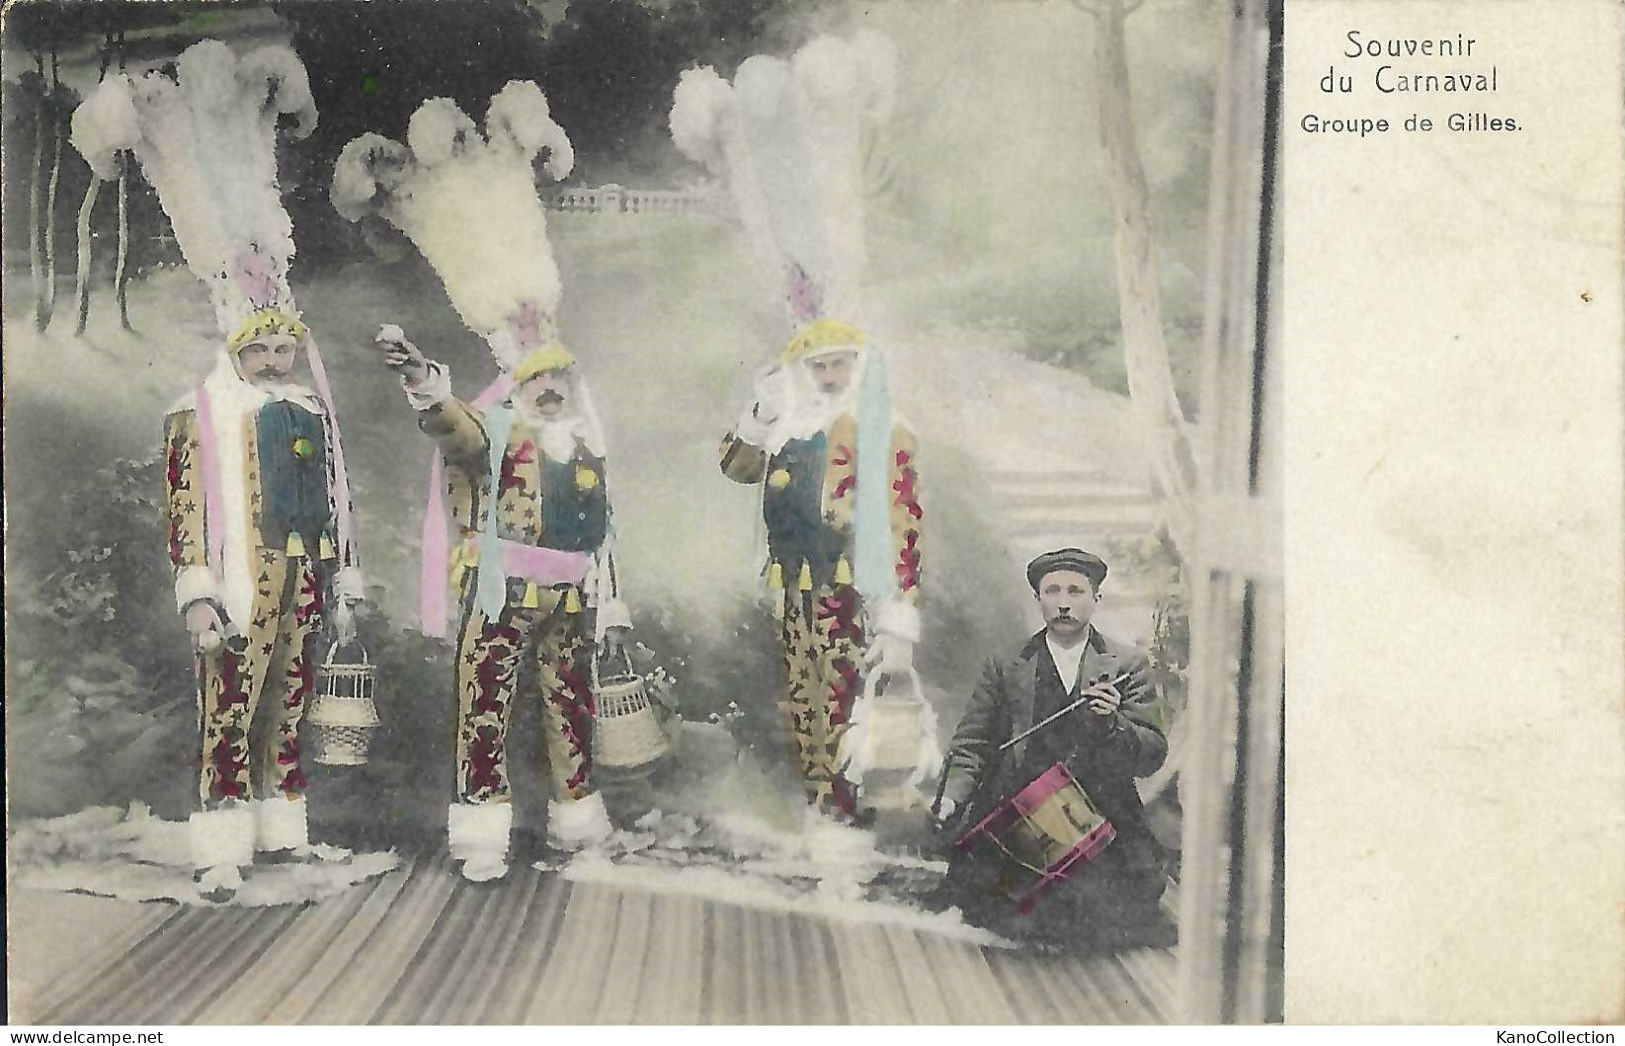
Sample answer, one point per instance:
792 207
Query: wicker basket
627 732
343 714
887 750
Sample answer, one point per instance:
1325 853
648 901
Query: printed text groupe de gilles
1388 80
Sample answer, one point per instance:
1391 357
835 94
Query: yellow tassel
804 583
533 596
775 575
843 572
586 478
296 545
778 479
463 557
572 601
328 551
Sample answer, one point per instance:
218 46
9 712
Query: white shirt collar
1068 660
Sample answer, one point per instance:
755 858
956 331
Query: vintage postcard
774 512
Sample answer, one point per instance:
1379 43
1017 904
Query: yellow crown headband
263 323
552 356
822 334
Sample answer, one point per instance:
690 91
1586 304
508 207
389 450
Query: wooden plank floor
421 946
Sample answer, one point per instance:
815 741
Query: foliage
1154 560
102 706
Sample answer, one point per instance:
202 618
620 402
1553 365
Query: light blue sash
871 516
491 584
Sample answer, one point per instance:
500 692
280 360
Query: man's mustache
550 397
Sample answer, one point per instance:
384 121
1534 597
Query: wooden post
1231 891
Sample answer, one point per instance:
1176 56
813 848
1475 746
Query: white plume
706 127
468 202
519 115
370 167
702 107
206 140
789 138
106 123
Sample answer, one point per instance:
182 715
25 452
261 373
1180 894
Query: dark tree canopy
608 68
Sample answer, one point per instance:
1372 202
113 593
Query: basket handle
598 655
328 660
871 685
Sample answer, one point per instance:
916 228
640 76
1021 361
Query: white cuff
280 824
479 831
751 429
612 613
432 390
900 618
193 584
223 837
348 583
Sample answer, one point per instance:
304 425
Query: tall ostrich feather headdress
468 201
205 137
788 136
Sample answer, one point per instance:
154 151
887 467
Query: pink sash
214 527
433 581
545 566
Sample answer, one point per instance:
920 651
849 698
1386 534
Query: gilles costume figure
535 578
519 471
837 470
255 489
840 503
261 543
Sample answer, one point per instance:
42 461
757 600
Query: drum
1041 835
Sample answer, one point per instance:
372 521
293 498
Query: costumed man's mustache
549 396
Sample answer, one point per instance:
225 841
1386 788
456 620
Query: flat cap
1086 563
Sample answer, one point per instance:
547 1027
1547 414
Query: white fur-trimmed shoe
281 824
575 824
478 835
222 841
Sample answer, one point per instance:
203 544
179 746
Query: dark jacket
1106 753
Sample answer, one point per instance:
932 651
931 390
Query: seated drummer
1107 742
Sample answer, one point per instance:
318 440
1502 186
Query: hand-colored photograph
743 512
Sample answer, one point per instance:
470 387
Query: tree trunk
82 281
48 299
120 269
121 266
36 204
1156 408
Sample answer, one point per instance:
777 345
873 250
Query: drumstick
1050 719
942 784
